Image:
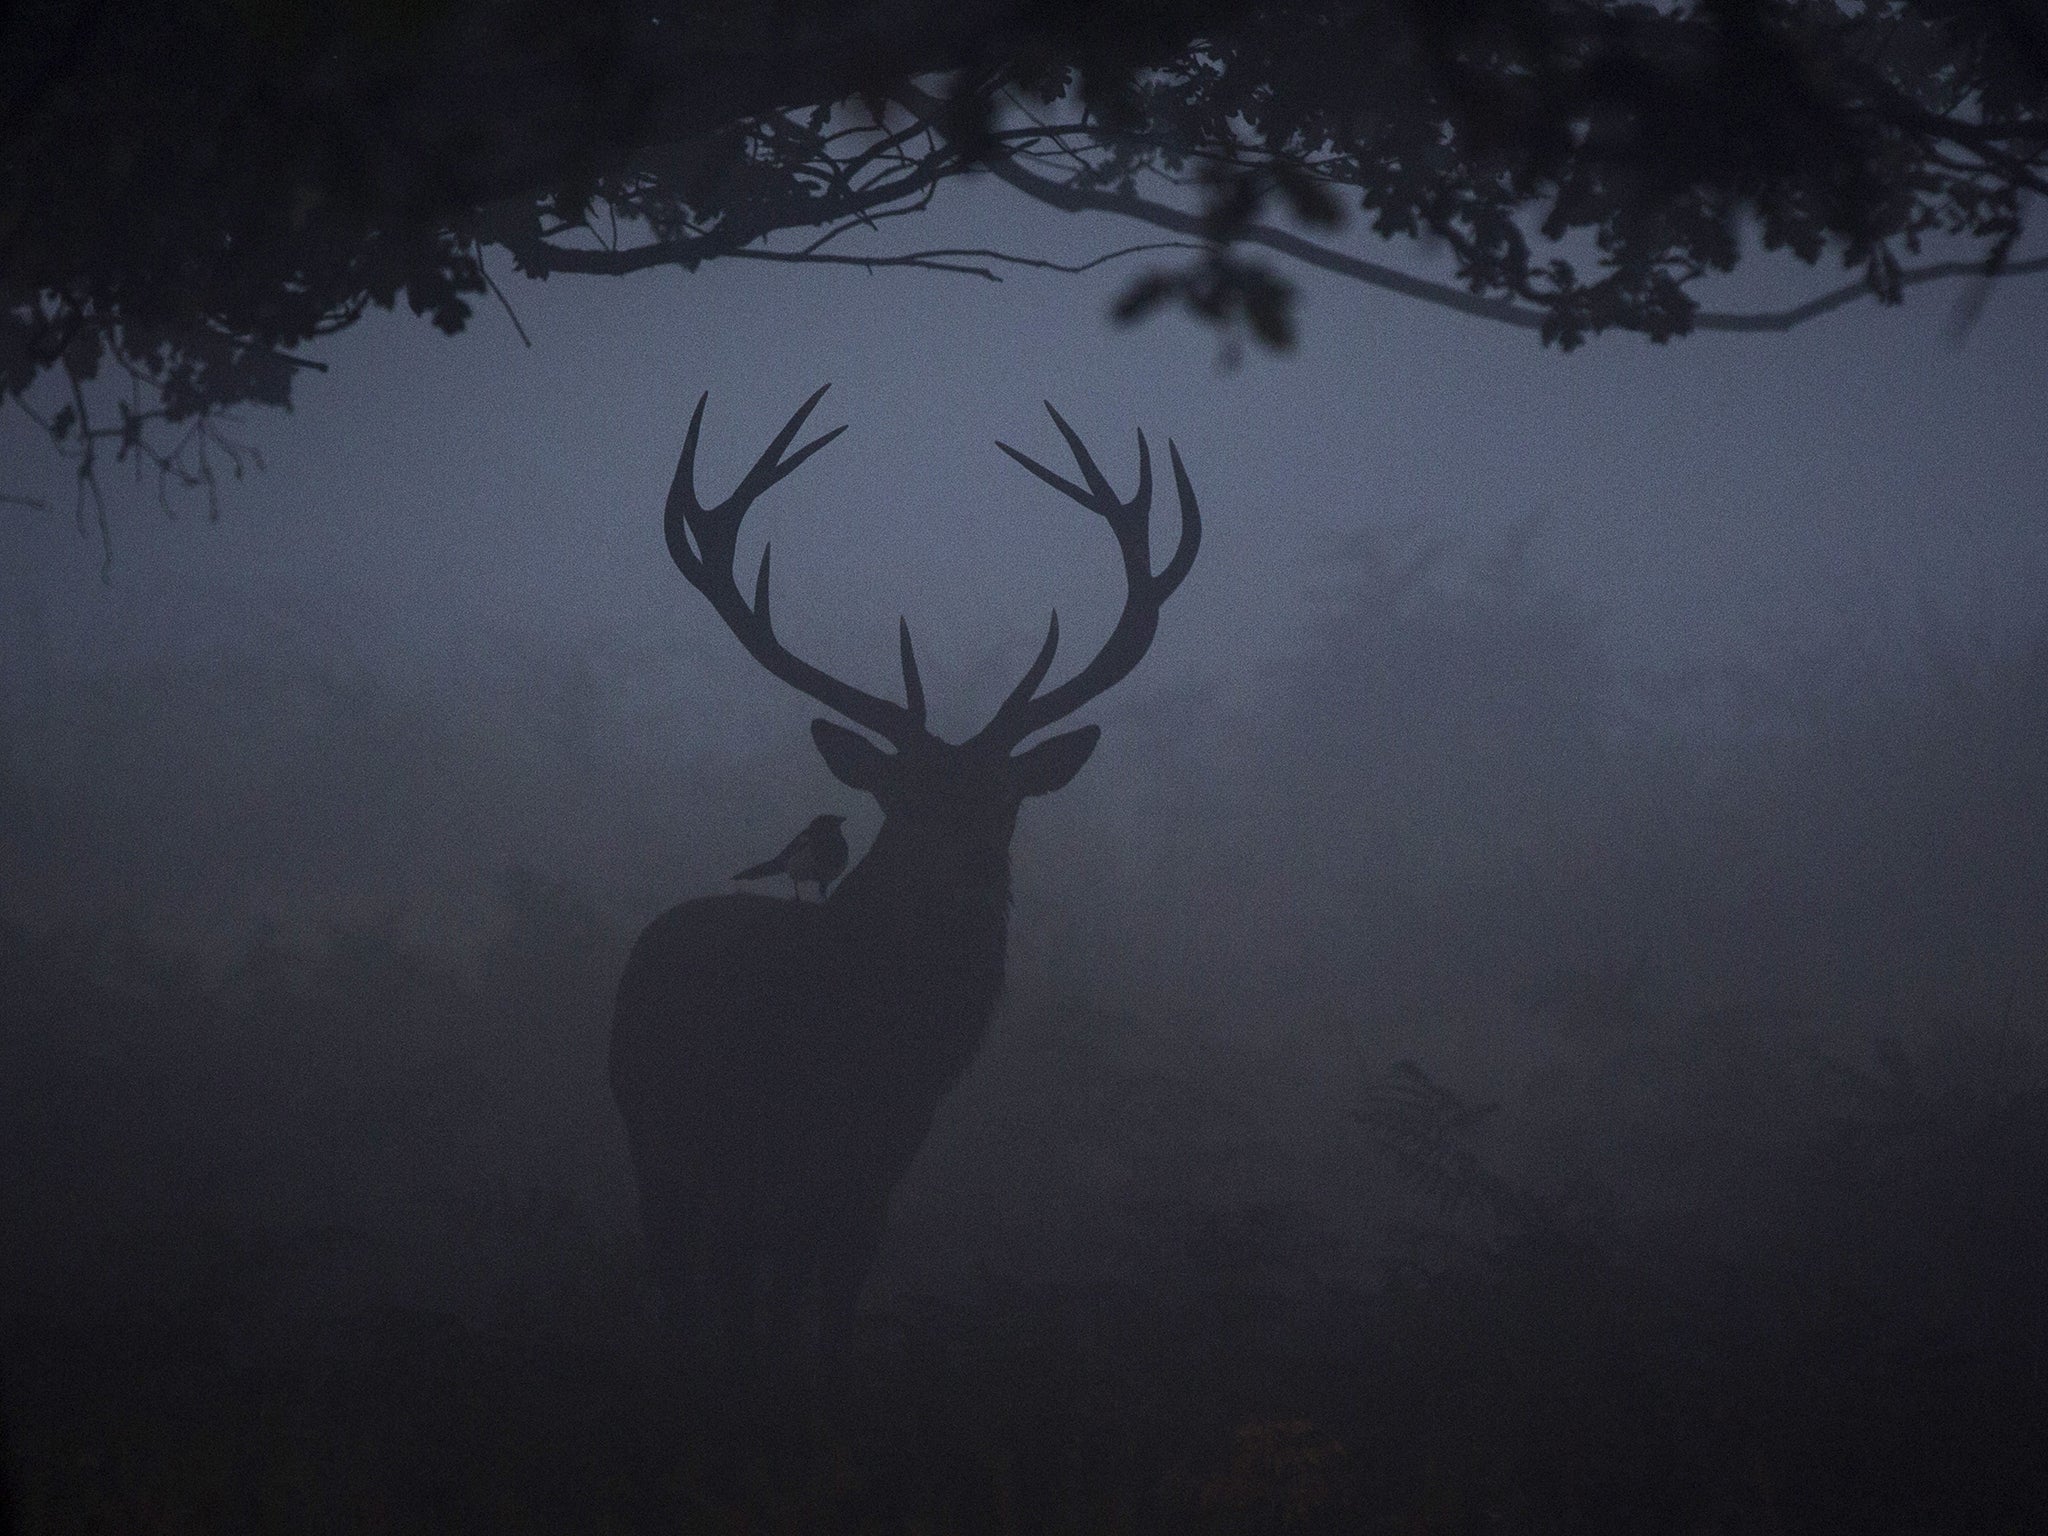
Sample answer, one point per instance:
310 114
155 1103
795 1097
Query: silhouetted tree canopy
191 190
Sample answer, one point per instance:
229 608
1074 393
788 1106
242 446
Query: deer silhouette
777 1064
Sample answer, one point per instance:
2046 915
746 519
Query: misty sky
432 501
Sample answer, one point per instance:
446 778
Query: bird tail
760 871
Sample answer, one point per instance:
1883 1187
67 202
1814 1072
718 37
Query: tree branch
1848 293
1072 199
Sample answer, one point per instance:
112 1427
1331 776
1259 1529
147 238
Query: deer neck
932 926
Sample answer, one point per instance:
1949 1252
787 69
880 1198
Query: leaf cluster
191 192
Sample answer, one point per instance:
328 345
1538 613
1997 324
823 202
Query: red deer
777 1064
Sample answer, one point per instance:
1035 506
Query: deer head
949 809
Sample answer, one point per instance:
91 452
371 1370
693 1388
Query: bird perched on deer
815 856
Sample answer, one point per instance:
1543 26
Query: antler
703 543
1025 711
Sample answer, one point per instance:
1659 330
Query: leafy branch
197 193
185 456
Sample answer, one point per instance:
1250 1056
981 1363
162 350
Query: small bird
815 856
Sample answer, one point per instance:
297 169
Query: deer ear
1053 763
855 761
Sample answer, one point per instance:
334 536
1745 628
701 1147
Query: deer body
778 1064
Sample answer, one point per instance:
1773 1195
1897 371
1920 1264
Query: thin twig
830 258
510 313
88 479
872 220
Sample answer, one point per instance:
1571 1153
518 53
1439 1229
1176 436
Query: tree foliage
190 191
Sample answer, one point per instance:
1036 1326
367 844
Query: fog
1554 940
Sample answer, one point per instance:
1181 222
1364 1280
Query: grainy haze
439 511
1711 742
